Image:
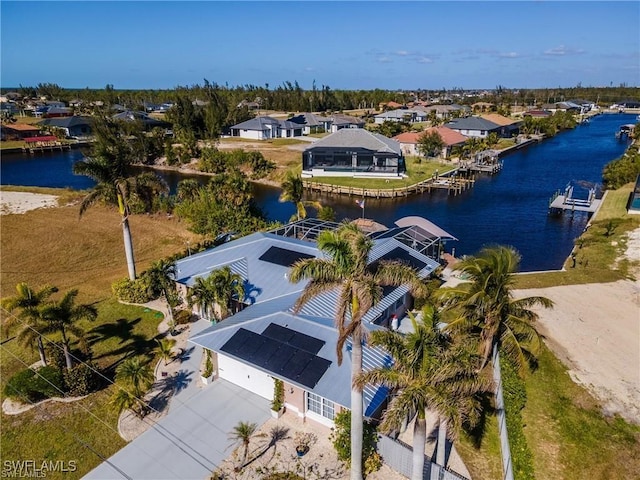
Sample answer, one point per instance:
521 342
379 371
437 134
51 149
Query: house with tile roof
354 152
18 131
266 340
509 127
473 126
266 128
409 140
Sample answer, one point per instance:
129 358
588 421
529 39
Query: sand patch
21 202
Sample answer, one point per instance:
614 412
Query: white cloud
402 53
383 59
424 60
509 55
561 50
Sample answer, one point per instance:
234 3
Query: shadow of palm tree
122 328
184 355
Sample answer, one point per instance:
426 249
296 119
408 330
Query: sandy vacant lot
595 330
21 202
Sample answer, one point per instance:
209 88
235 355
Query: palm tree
61 317
359 287
164 349
429 372
292 191
215 293
136 374
484 307
123 399
241 435
110 166
161 276
29 302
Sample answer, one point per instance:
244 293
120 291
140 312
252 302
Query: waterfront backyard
566 430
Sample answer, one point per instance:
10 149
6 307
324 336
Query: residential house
509 127
73 127
266 128
55 112
339 121
634 201
266 340
409 140
473 126
148 122
19 131
482 106
311 123
537 113
561 107
249 105
444 112
353 152
410 115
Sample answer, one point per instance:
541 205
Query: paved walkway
189 442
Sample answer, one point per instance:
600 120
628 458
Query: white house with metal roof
354 152
265 128
265 340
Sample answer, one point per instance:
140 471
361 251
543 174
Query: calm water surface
508 208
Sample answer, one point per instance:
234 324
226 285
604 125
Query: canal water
509 208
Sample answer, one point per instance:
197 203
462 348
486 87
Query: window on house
321 406
399 303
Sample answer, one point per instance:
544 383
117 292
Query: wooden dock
46 147
454 184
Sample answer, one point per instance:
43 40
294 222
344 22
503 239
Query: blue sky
346 45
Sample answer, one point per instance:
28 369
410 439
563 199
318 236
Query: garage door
244 376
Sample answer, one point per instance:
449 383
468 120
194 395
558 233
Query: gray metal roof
258 123
335 384
339 119
358 138
471 123
308 119
263 280
65 122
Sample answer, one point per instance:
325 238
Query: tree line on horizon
290 96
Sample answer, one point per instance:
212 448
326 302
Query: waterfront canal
509 208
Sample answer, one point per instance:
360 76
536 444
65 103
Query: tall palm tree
359 287
293 191
429 372
28 301
109 166
241 435
61 317
214 294
164 349
484 307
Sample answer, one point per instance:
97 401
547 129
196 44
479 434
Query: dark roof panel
282 256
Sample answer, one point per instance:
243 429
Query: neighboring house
8 108
266 128
311 123
409 141
19 131
482 106
390 105
473 126
509 127
561 107
249 105
73 127
338 122
443 112
410 115
266 340
148 122
353 152
537 113
55 112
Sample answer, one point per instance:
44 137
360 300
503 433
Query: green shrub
20 387
182 317
55 355
341 439
278 395
208 364
82 380
131 291
49 382
515 399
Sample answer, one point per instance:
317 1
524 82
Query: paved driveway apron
191 440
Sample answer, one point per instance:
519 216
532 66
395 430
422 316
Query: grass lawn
54 246
417 172
567 433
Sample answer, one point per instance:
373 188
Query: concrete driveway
191 440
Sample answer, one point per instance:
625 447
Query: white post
507 466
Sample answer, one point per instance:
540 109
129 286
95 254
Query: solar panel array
282 256
283 355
